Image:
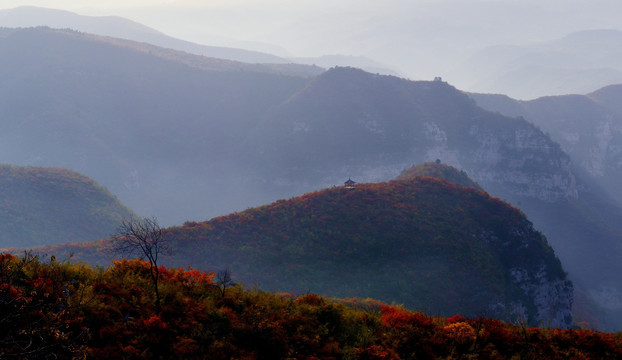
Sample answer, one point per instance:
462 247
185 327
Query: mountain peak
441 171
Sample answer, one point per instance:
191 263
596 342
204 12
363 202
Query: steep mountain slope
576 64
422 242
50 205
588 128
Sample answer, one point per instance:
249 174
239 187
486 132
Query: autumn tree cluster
65 310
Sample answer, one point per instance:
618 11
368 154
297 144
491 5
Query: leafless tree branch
145 239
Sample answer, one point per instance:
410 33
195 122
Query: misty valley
271 208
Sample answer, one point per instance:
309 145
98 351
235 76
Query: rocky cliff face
587 127
552 298
518 158
545 294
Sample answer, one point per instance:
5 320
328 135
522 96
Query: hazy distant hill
360 62
118 27
422 242
30 16
576 64
609 97
49 205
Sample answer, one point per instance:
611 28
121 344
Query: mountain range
122 28
583 60
186 137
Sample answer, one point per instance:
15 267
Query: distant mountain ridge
575 64
422 242
40 206
192 60
118 27
114 26
361 62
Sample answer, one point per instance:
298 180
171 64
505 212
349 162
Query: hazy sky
421 38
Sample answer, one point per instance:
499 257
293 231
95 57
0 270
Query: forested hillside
421 242
41 206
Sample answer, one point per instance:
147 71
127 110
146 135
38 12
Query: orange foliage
394 317
460 332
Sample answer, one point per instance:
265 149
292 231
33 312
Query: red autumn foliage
393 317
68 311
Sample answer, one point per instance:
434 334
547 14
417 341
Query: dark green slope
424 242
50 205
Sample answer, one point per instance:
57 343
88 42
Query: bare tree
145 239
224 280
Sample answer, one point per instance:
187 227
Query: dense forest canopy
67 310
